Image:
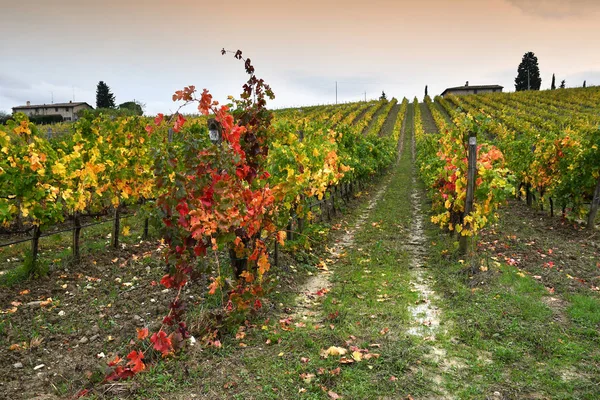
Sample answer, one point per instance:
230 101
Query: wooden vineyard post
146 224
276 254
116 228
464 241
35 243
528 195
333 196
76 233
326 203
290 226
594 207
300 220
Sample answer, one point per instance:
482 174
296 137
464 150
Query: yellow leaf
59 169
263 264
333 351
357 355
126 230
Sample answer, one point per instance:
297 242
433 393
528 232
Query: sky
146 49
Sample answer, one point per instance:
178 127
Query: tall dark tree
104 97
583 83
383 96
425 90
553 86
528 73
562 84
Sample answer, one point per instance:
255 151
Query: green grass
509 337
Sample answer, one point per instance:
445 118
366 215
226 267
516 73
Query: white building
67 110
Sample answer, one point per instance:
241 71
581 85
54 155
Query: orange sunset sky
145 50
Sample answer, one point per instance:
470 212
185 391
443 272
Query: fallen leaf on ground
333 351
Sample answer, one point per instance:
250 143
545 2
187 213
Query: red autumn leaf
119 373
158 119
200 250
135 361
142 333
167 281
161 342
179 123
257 304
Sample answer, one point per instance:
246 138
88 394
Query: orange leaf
142 333
281 235
135 361
263 264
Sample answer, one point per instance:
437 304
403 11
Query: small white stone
61 313
39 367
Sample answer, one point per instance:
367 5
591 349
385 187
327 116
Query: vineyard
290 254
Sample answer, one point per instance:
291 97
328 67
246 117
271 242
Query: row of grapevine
376 124
107 163
442 159
552 152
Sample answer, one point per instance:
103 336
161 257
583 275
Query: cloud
556 9
15 92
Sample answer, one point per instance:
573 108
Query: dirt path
307 299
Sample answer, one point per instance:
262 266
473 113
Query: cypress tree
104 98
528 73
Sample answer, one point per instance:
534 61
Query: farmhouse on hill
461 90
68 111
